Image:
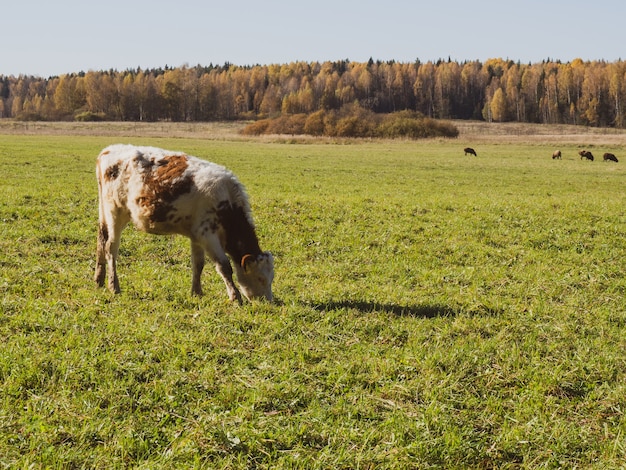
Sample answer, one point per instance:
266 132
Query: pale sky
45 38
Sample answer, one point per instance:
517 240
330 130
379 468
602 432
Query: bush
292 124
355 121
89 116
442 128
415 126
314 124
256 128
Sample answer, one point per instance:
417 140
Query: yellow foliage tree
498 106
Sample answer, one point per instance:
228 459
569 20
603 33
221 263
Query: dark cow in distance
609 157
470 151
586 154
165 192
556 155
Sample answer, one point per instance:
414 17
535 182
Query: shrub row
354 121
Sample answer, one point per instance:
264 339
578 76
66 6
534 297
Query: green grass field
435 311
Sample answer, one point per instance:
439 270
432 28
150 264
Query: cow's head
255 275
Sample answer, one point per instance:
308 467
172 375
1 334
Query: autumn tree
424 89
511 82
498 106
617 91
531 91
69 94
473 83
593 103
548 103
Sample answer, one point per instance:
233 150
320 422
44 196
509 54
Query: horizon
347 60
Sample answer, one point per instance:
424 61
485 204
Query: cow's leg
115 223
112 251
197 265
213 247
223 267
103 237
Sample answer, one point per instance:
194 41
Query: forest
591 93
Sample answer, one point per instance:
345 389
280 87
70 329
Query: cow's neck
241 237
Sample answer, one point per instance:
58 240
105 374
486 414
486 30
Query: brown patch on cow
112 172
171 167
164 182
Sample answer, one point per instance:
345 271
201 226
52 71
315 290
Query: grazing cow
469 150
165 192
610 157
586 154
556 155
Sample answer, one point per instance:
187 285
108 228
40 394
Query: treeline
577 92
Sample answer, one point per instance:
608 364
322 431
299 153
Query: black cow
610 157
469 150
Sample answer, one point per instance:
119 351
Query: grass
434 310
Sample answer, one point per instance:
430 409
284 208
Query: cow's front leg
225 270
212 246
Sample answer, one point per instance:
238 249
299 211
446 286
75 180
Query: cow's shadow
363 306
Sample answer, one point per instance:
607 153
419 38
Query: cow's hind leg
109 235
112 250
101 262
197 265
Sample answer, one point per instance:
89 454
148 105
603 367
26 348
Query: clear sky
44 37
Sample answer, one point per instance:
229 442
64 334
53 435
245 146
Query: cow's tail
99 177
102 231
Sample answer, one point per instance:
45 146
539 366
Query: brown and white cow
556 155
165 192
586 154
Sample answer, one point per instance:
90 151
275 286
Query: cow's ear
245 262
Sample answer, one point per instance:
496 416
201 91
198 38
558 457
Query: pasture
434 310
